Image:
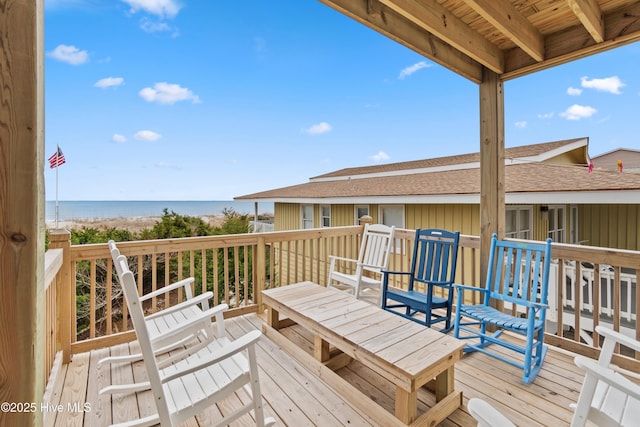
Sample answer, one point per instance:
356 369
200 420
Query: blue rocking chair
433 266
518 277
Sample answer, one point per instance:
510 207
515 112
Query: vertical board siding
612 226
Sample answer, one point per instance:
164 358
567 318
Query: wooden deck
296 397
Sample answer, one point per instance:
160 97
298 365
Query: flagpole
57 148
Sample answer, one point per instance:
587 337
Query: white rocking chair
607 398
189 386
166 329
373 257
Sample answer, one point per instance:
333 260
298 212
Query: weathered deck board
296 397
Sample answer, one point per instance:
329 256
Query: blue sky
208 100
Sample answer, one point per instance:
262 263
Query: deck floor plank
295 396
100 377
319 399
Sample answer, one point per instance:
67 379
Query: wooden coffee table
407 354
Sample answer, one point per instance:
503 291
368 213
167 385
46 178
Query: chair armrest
187 303
608 376
334 258
192 324
402 273
179 284
469 288
236 346
537 305
618 337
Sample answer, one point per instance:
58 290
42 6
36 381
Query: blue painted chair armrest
404 273
469 288
538 305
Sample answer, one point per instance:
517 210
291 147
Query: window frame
304 220
324 217
517 234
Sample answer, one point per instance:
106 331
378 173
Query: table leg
273 318
321 349
406 405
444 383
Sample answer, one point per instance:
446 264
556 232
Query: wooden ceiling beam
622 26
591 16
510 22
437 20
385 21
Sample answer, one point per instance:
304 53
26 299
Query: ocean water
72 210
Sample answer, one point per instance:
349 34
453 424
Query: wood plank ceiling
509 37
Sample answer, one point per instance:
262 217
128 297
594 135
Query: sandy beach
132 224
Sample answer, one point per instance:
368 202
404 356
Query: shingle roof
531 177
513 152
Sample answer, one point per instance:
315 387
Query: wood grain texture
21 208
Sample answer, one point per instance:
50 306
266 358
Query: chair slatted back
435 254
519 271
376 244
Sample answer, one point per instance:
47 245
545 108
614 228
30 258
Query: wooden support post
65 294
492 217
260 264
22 332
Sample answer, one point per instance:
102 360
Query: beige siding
612 226
342 215
463 218
286 216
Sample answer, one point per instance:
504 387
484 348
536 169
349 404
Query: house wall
611 226
286 216
630 160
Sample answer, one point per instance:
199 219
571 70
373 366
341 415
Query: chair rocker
518 278
166 327
373 257
199 379
433 266
607 398
487 415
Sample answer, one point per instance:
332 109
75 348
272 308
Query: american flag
56 159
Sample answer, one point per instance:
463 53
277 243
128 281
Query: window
307 216
574 225
557 224
360 211
518 222
392 215
325 213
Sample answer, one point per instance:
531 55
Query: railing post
365 219
261 275
65 294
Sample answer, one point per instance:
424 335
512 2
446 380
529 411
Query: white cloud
412 69
381 156
521 124
545 115
166 93
318 129
147 135
577 112
609 84
574 91
121 139
154 27
69 54
161 8
109 81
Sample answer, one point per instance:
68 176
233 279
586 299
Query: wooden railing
237 267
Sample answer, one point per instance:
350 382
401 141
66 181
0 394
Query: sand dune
133 224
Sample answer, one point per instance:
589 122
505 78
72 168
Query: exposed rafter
506 18
589 13
437 20
509 37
